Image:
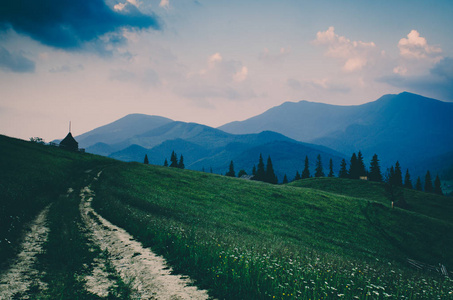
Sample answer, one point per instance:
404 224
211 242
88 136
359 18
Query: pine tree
398 175
361 170
270 174
319 172
437 186
231 172
343 170
260 171
407 180
306 171
181 162
331 169
418 185
297 176
165 163
146 161
210 170
428 183
390 177
285 179
254 170
354 167
173 160
241 173
375 170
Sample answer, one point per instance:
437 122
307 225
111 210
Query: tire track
146 273
22 274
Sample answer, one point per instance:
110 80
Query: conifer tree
260 171
285 179
231 172
241 173
407 180
354 167
398 175
428 183
146 161
210 170
343 170
418 184
361 170
437 186
375 169
270 174
331 169
173 160
306 171
165 163
297 176
202 170
181 162
254 170
319 172
390 176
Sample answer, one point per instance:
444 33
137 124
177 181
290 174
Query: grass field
245 239
313 239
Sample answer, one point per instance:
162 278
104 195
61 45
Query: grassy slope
240 239
32 177
177 210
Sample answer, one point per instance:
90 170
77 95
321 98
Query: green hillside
239 239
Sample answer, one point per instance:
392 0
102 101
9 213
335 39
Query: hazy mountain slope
121 129
404 127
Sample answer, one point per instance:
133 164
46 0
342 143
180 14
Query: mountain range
407 127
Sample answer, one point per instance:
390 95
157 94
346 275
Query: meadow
250 240
312 239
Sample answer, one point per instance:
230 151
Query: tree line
357 170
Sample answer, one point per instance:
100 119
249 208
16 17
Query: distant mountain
405 127
207 148
121 129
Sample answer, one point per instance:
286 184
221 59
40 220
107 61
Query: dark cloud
15 62
69 24
437 84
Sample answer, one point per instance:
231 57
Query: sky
208 61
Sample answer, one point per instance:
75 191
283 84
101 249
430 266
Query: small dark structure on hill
69 143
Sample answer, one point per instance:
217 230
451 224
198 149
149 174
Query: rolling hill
238 239
207 148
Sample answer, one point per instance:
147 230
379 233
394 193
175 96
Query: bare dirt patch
22 274
147 274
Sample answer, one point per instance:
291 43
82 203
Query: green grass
244 239
313 239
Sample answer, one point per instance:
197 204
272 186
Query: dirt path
22 275
147 273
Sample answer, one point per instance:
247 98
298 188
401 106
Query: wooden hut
69 143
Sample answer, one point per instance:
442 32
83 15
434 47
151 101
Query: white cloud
416 47
400 70
121 6
241 75
355 54
164 3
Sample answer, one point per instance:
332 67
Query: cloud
268 57
438 82
220 79
70 24
164 3
354 54
416 47
15 62
319 84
